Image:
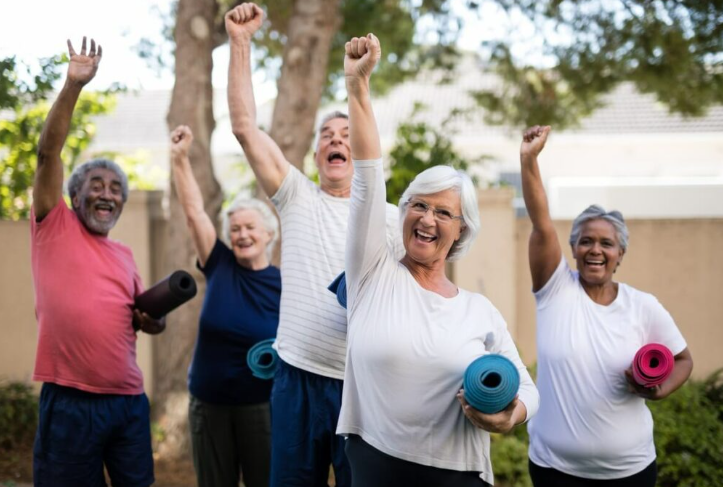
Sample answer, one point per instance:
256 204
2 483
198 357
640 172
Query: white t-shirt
312 325
409 348
589 425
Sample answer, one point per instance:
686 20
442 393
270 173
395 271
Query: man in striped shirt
311 340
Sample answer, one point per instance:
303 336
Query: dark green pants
230 441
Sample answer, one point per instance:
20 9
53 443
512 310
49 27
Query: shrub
688 439
689 435
18 414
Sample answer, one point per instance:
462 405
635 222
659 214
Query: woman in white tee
411 331
593 424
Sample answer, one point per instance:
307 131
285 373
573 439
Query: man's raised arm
266 159
48 186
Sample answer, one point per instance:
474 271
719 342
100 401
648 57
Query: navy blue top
241 308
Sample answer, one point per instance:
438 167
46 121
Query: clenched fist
533 141
361 55
242 21
181 139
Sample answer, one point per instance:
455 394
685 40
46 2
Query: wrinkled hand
242 21
654 393
361 55
181 139
145 323
533 140
501 422
82 67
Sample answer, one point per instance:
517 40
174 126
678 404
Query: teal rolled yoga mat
263 359
491 383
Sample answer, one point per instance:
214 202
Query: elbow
242 131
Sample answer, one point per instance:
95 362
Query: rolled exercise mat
491 383
338 287
263 359
167 294
652 365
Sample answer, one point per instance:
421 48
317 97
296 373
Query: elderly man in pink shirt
93 411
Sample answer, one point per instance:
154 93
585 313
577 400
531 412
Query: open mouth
104 209
424 236
336 157
244 245
595 264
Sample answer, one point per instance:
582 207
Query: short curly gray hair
597 212
271 223
80 174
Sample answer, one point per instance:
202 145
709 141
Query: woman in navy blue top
229 407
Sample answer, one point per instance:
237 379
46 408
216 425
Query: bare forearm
363 132
48 186
200 225
533 192
241 101
189 194
681 373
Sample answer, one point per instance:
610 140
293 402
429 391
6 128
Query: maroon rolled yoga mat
652 365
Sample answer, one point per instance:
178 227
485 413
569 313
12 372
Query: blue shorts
80 431
304 412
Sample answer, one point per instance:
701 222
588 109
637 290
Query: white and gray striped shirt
312 325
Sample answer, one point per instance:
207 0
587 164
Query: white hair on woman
441 178
267 217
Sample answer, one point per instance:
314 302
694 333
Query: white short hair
441 178
267 217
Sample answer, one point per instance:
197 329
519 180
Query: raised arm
266 159
199 223
544 248
362 54
48 187
366 233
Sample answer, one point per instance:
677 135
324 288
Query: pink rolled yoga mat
652 365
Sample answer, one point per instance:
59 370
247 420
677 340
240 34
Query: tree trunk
311 28
192 105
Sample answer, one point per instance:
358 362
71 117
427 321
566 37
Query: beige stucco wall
18 327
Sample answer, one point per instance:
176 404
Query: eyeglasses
441 215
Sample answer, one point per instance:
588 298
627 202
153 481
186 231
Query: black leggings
373 468
549 477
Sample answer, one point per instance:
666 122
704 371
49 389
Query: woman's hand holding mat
651 367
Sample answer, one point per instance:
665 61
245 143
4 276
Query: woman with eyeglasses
412 332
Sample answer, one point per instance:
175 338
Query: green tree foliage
419 146
669 48
24 107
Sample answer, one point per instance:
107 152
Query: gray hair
329 116
441 178
267 217
80 173
597 212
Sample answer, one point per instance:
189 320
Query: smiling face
333 153
99 202
597 252
426 239
249 237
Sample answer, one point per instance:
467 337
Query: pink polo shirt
85 286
